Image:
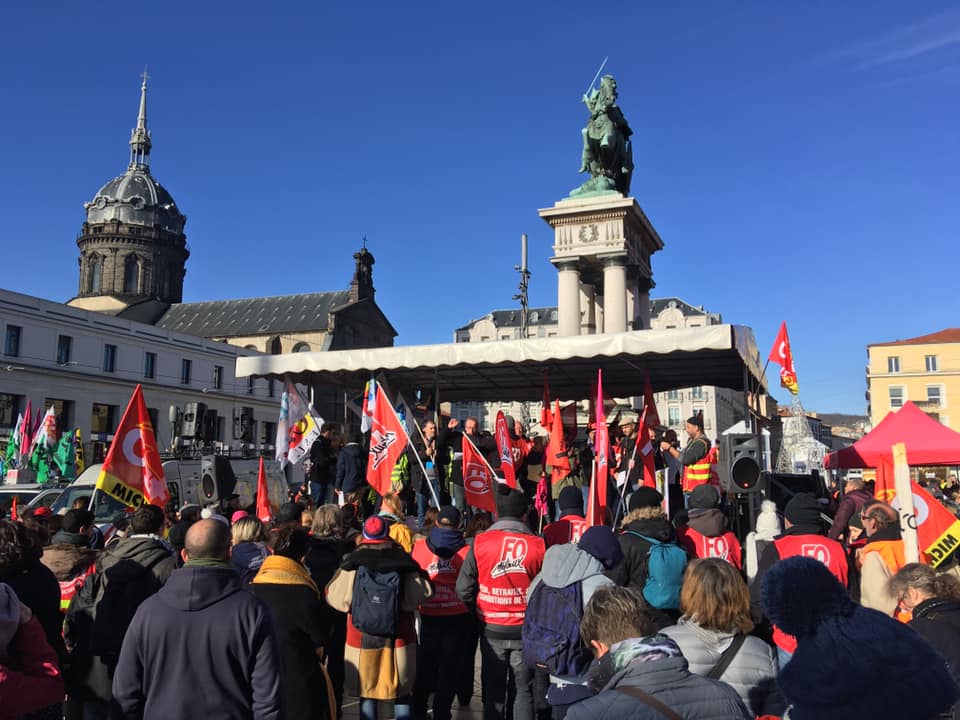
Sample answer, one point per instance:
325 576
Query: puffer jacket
655 665
752 672
564 565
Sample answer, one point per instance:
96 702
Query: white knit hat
768 521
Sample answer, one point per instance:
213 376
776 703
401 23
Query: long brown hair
927 581
715 596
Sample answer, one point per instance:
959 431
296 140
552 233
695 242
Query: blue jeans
500 662
401 708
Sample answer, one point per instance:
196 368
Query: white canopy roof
720 355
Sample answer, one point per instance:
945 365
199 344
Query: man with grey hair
855 496
641 675
202 646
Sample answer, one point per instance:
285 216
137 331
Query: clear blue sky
800 162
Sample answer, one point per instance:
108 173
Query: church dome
136 198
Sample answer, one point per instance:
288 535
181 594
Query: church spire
140 137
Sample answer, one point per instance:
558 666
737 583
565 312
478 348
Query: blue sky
800 161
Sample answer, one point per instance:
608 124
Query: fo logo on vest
717 547
817 552
512 554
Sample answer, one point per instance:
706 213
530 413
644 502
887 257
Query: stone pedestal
603 244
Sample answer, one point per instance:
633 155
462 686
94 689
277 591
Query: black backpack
551 630
376 602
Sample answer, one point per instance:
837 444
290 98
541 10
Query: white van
204 481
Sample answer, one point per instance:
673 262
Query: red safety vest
726 546
827 551
506 563
443 574
568 529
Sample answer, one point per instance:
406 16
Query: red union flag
645 448
388 440
477 479
132 472
505 448
601 449
782 355
264 511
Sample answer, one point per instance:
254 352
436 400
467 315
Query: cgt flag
477 478
505 448
132 472
782 355
388 440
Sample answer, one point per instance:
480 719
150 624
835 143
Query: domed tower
132 245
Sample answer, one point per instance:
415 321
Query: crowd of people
345 596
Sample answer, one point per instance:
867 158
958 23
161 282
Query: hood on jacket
248 555
715 640
654 528
130 556
445 542
566 564
195 588
62 537
387 557
66 561
710 523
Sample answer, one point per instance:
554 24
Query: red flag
649 404
505 448
569 416
557 457
645 452
782 355
13 509
601 449
264 511
132 472
477 479
26 431
546 419
388 440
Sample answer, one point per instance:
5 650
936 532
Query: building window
673 395
218 377
896 397
673 416
96 271
9 408
102 418
131 274
185 367
11 347
150 365
931 363
696 393
935 395
301 347
64 346
109 358
250 382
893 364
270 387
268 433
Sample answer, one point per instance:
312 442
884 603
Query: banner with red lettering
477 479
132 472
505 448
388 440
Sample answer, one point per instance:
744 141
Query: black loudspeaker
739 467
216 477
193 414
209 432
243 424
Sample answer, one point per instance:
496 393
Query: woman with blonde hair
391 510
713 635
249 546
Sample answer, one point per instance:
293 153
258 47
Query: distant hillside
842 419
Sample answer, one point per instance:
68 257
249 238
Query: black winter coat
937 621
351 468
297 611
38 589
632 571
202 647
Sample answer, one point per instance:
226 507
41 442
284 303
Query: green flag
64 457
40 461
12 454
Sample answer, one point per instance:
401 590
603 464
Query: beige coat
375 667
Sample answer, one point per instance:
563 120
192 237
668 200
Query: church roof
255 316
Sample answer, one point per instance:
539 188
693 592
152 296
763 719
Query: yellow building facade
924 370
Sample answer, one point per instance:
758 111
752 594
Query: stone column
614 294
641 296
588 325
568 297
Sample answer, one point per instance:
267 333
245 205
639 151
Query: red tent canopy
928 442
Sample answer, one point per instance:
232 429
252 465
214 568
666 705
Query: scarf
628 652
279 570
